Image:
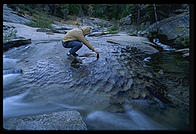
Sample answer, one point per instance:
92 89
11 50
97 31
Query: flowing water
100 89
165 47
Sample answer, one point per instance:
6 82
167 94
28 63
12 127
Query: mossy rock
113 30
132 34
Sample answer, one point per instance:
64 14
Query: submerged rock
65 120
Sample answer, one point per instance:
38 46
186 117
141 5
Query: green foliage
132 34
41 20
9 35
40 23
182 42
73 9
152 35
128 9
140 12
113 30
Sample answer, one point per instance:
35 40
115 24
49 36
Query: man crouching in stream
75 38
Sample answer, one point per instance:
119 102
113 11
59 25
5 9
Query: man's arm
83 40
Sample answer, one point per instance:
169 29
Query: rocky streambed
118 91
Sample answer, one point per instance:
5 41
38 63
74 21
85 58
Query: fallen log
15 43
184 50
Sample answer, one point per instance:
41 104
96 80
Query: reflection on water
170 63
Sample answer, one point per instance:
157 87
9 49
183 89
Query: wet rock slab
123 39
66 120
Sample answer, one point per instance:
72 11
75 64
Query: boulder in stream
65 120
174 29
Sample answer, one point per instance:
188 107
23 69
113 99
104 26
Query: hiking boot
75 54
68 54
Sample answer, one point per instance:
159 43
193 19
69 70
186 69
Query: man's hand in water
97 54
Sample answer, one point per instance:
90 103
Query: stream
107 91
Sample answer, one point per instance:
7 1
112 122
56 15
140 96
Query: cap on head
86 29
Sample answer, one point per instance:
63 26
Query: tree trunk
155 15
138 13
